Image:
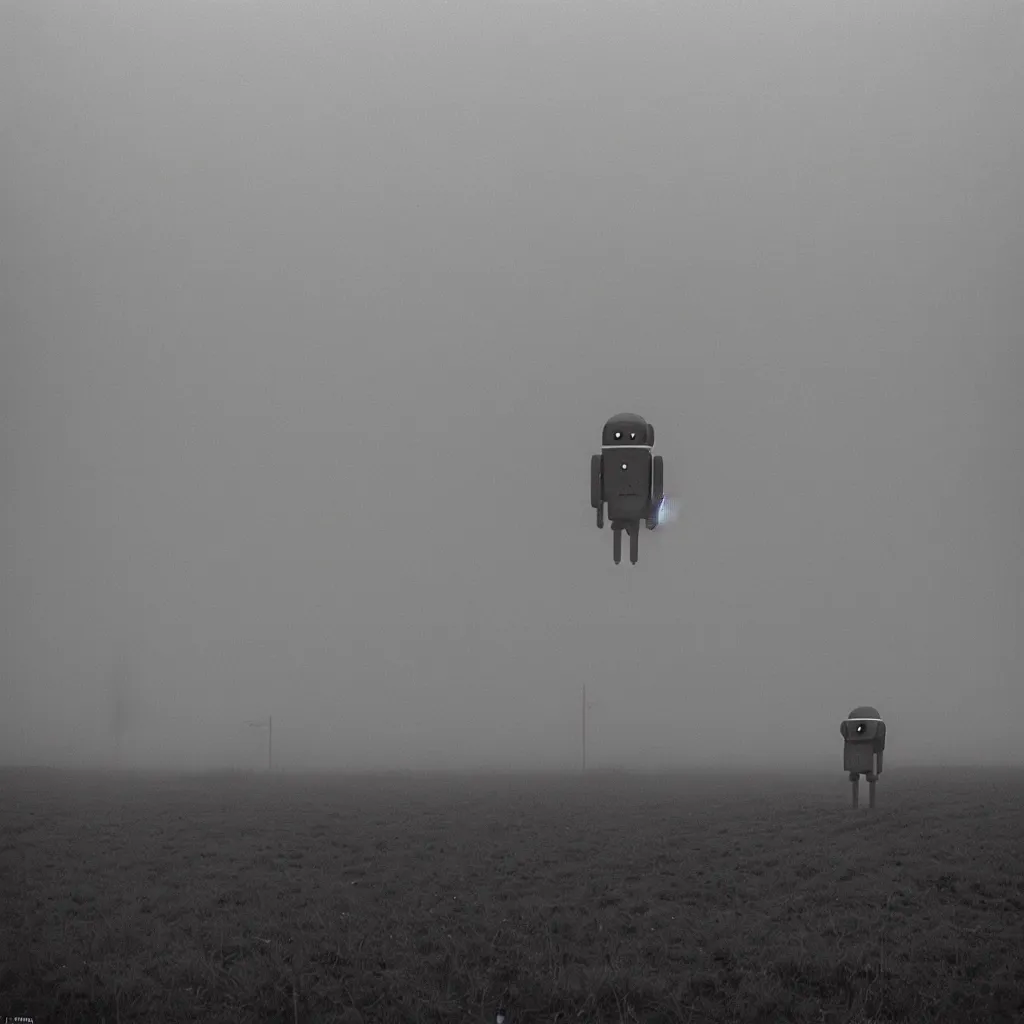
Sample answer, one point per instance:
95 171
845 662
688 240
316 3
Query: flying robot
629 477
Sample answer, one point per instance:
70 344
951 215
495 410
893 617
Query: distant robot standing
864 733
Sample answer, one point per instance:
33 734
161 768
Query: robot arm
657 484
597 488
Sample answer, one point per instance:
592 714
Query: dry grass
605 898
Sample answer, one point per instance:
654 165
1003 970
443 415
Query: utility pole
269 725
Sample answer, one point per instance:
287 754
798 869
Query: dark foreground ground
605 898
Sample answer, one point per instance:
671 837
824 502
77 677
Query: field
609 897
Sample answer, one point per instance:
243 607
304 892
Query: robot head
863 725
627 429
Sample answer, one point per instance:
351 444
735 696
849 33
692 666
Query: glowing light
667 511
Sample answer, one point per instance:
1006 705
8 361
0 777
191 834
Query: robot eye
633 436
623 465
618 434
860 728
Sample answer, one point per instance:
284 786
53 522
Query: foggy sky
311 315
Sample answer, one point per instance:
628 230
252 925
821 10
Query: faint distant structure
864 733
268 724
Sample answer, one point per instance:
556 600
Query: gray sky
311 315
